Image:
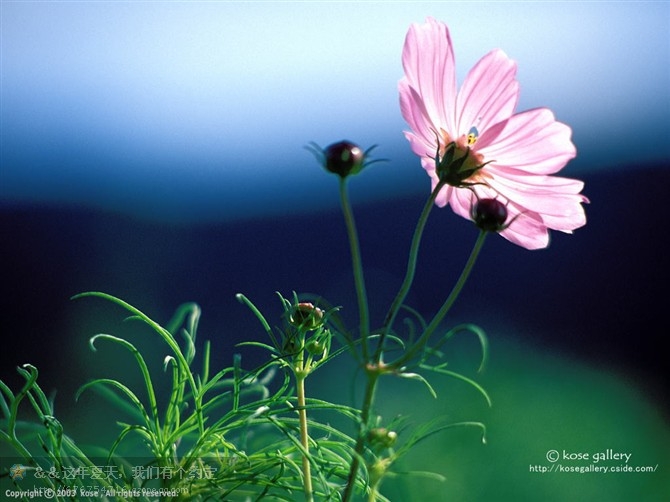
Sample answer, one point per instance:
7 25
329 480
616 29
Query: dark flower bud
490 215
306 316
344 158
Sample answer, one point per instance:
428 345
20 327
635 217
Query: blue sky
199 111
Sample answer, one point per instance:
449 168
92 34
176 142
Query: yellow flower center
473 134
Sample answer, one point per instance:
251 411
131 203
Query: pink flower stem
409 274
373 368
446 306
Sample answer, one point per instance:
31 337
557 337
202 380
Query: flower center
455 162
473 134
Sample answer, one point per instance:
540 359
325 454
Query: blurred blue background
154 151
200 111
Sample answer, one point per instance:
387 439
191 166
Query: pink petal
489 93
557 200
444 196
461 202
428 61
532 141
527 230
415 114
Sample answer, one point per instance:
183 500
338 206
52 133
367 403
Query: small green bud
315 347
381 437
304 315
378 469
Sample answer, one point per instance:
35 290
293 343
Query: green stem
304 438
357 267
411 269
446 306
368 400
375 370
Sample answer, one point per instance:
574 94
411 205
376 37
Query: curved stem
357 267
446 306
411 269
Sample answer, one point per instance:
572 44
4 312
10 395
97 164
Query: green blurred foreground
543 405
540 403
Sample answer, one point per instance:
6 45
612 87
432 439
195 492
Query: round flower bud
344 158
306 316
490 215
315 347
382 437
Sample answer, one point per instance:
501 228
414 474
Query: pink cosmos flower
473 143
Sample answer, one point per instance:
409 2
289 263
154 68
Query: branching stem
368 400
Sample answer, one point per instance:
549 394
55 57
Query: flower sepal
455 170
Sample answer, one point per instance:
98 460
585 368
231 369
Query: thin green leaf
165 335
136 403
144 369
419 378
458 376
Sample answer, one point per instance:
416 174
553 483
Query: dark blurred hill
599 295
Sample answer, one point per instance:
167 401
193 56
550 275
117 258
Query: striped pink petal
428 61
488 95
